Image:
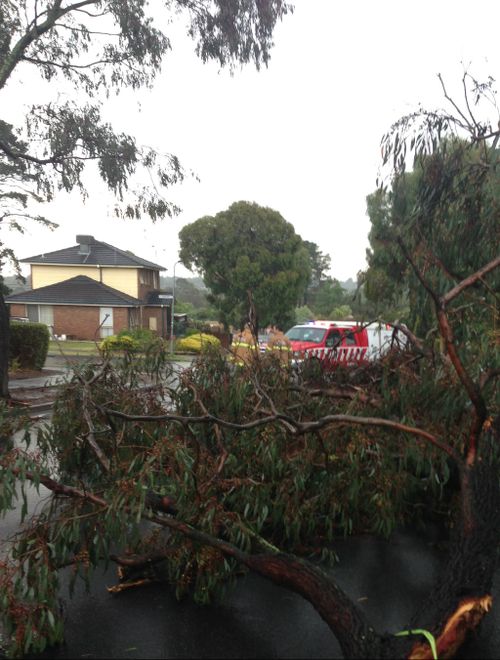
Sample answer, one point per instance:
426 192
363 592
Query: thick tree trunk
463 592
4 349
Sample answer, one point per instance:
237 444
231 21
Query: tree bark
462 594
4 349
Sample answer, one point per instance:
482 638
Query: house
93 290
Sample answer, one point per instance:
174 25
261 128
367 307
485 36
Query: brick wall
76 322
82 322
162 316
17 310
120 319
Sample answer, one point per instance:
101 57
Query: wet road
258 619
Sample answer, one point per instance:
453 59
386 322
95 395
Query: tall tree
328 296
320 265
249 256
100 47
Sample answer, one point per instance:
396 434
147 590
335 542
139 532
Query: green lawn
69 347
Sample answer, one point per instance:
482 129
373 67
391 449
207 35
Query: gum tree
260 469
97 47
248 248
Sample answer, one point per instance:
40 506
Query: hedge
29 344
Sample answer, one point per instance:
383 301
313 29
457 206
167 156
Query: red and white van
343 342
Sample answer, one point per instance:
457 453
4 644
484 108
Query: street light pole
172 314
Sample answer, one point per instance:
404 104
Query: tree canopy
248 256
99 47
320 263
443 214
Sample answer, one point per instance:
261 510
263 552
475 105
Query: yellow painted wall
46 275
123 279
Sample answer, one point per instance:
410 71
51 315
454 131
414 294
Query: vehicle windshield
298 333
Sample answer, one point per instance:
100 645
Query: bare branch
469 281
297 428
453 103
488 376
466 96
417 270
33 33
71 65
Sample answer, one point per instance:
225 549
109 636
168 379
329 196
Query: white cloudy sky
302 137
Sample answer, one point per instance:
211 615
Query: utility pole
172 314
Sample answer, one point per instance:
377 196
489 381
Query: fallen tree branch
297 428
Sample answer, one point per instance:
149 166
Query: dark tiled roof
100 254
80 290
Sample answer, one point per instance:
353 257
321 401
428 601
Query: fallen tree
263 467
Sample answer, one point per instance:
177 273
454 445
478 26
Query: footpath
38 392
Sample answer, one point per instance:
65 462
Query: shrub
142 336
196 343
119 343
29 344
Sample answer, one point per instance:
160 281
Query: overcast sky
302 137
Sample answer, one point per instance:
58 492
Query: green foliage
70 133
245 249
340 313
303 314
118 343
142 336
185 308
4 289
443 215
127 50
328 295
131 341
253 456
101 47
29 344
207 313
320 263
263 486
186 292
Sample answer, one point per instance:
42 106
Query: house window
106 321
33 314
42 314
146 277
